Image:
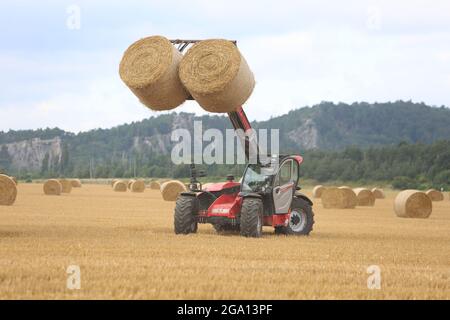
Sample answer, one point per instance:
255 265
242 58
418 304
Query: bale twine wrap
8 191
378 193
217 75
171 189
76 183
66 185
435 195
338 198
154 185
364 197
53 187
149 67
412 204
138 186
317 191
129 183
120 186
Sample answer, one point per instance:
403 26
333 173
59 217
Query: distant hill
325 126
330 126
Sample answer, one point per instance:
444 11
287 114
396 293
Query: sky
59 59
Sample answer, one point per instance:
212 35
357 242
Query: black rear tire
301 221
185 216
251 217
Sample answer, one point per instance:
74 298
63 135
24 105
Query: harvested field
125 246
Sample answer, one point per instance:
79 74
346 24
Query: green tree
45 164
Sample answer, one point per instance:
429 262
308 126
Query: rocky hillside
30 154
324 126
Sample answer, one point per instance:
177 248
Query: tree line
404 165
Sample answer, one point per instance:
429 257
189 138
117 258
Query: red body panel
216 187
227 205
276 220
243 118
299 159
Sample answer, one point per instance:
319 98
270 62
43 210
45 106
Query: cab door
284 186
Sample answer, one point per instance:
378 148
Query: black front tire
301 221
251 217
185 216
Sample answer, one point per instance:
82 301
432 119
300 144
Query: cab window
294 171
285 173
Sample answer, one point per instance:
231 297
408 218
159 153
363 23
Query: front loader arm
245 133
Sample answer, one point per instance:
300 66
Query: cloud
302 52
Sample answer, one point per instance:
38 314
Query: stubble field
126 249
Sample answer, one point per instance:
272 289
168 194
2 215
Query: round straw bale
364 197
15 180
154 185
317 191
435 195
52 187
217 75
337 198
333 198
171 189
113 181
412 204
378 193
149 67
138 186
8 190
66 185
129 183
120 186
76 183
350 197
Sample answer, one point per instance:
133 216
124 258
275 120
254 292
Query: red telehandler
267 195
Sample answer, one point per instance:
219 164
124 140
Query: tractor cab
274 181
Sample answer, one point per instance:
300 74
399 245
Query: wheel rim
297 220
